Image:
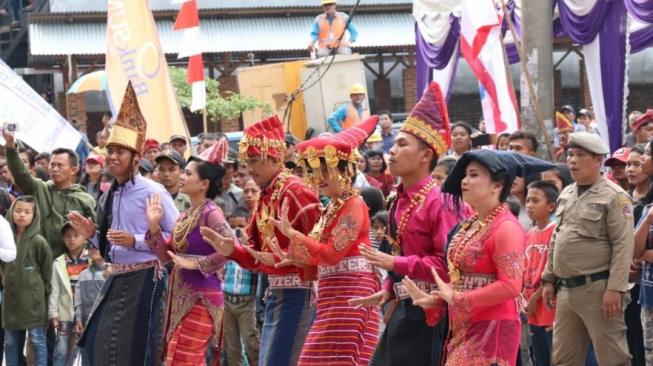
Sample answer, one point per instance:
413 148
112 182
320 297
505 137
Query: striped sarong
341 334
190 340
288 317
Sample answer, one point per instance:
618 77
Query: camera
238 232
10 127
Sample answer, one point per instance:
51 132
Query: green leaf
217 107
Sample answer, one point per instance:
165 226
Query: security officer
589 260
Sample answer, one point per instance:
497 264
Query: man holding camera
56 197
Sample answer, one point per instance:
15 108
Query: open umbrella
93 81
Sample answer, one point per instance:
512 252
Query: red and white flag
188 20
480 45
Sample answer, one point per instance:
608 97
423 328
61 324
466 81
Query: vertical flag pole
204 121
529 80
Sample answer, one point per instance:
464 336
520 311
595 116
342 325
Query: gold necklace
267 213
415 200
184 226
460 241
331 211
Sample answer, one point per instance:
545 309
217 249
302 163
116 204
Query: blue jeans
541 345
15 342
60 354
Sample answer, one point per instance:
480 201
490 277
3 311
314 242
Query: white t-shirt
7 243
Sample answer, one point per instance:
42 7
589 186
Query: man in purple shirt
126 326
417 231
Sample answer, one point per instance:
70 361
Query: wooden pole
529 80
204 121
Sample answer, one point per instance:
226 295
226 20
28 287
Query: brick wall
383 97
227 84
409 82
76 109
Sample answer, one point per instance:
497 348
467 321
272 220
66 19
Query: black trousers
408 340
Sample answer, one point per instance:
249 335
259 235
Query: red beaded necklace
463 237
416 200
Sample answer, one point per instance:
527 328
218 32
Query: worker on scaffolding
350 113
328 29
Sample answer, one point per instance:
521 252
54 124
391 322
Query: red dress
341 334
486 268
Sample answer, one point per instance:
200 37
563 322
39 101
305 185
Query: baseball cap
620 156
98 159
567 108
178 137
585 112
145 166
173 156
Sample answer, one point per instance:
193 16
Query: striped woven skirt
288 317
341 334
190 340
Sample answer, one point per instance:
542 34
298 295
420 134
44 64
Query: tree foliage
217 107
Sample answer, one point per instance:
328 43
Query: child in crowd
379 225
86 291
26 283
65 274
380 242
239 300
540 204
442 169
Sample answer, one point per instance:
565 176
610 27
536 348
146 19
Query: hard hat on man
357 89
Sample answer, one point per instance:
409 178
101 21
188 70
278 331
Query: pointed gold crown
129 129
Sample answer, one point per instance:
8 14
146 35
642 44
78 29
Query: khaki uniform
594 235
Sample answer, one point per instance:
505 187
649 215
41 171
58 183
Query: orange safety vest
329 33
352 116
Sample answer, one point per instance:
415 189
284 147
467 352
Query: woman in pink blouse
485 261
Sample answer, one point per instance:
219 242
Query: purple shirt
129 214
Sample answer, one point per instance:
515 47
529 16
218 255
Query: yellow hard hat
325 2
357 89
375 137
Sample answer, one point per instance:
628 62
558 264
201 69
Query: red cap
620 156
99 159
151 144
643 119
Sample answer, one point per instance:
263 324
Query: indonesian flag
480 45
188 21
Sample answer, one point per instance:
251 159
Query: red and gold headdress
216 154
333 149
265 138
129 129
429 120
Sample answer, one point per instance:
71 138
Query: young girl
442 169
376 169
26 284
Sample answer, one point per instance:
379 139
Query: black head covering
517 165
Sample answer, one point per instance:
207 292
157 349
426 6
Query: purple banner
429 57
583 28
641 10
613 69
